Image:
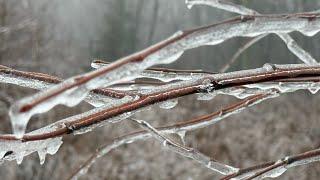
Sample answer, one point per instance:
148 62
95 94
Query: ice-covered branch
186 151
276 168
286 78
41 81
297 50
162 74
224 5
72 91
179 128
270 76
47 139
231 7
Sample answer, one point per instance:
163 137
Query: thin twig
240 51
279 167
186 151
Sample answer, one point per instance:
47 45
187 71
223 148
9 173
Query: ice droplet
168 104
19 159
189 4
165 143
42 156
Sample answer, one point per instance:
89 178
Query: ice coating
16 150
19 120
94 99
297 50
186 151
163 76
22 110
235 8
222 5
180 130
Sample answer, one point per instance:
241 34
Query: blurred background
62 37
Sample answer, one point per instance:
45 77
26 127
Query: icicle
20 119
182 135
165 143
42 156
19 159
20 149
189 5
169 104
